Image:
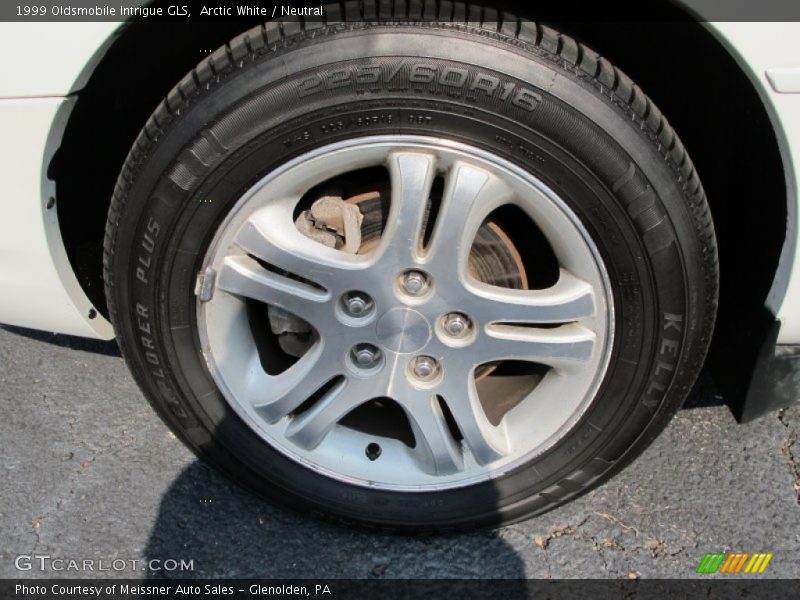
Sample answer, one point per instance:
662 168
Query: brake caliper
331 222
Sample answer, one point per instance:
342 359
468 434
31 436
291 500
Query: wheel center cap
403 330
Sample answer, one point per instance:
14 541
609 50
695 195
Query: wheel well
710 102
135 74
723 123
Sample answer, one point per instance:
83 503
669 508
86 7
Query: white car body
40 289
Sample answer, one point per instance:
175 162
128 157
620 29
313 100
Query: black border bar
389 589
42 11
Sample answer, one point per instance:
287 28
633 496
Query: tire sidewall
166 228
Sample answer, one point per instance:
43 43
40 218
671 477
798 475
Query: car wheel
426 275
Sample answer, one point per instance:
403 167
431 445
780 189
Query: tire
520 94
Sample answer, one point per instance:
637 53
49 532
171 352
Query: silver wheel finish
567 327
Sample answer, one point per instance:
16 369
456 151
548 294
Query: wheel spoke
570 299
436 449
274 397
411 179
273 238
310 428
566 347
470 194
485 441
243 276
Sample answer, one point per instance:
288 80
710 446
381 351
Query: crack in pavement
38 522
788 444
597 550
614 519
544 541
598 545
35 525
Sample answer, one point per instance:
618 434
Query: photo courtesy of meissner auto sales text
399 299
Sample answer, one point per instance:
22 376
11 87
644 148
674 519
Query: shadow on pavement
704 393
107 348
228 532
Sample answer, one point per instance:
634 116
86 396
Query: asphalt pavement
90 473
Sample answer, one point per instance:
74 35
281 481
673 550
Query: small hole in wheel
373 451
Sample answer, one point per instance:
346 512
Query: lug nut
356 304
456 324
425 368
414 282
365 355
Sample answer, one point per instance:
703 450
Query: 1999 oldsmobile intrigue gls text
416 265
